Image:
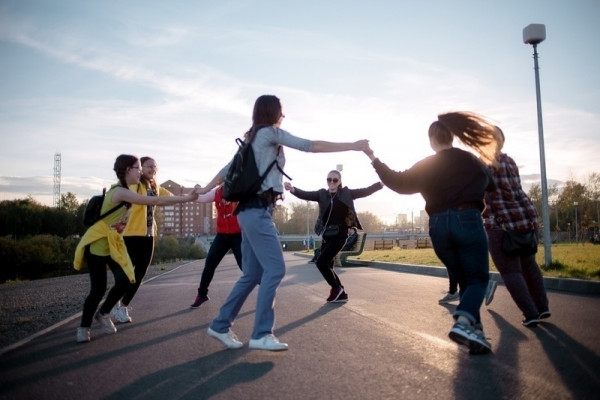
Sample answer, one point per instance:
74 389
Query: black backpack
92 212
243 180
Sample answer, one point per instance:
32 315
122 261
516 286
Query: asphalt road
388 342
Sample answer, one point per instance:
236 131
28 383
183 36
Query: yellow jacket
137 225
116 245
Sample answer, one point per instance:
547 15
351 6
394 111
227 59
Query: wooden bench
383 244
423 243
340 259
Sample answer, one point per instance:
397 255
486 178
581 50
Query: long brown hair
471 129
148 183
267 111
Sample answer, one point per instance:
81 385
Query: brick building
184 219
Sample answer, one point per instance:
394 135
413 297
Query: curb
570 285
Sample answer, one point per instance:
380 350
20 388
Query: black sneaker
335 294
199 300
531 322
342 298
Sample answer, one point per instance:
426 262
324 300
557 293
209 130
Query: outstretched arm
128 196
321 146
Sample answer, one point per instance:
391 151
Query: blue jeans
460 242
262 260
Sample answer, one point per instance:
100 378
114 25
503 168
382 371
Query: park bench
383 244
423 243
341 257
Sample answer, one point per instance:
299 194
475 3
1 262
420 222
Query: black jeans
218 249
329 249
98 280
141 250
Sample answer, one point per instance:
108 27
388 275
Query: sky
177 81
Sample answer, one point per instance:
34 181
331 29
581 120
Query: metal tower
56 200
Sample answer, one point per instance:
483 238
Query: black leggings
141 250
98 281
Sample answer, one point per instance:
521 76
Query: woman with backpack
102 245
336 216
139 234
262 256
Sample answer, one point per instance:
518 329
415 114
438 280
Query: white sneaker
267 342
120 314
229 339
105 321
83 335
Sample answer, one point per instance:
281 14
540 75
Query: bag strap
112 210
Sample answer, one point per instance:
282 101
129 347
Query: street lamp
534 34
576 236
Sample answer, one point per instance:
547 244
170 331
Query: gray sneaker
449 297
465 335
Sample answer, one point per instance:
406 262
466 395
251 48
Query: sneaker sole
459 338
260 347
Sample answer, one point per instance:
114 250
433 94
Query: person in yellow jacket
102 245
139 235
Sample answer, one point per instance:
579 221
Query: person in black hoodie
336 215
453 182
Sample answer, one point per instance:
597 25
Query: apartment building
184 219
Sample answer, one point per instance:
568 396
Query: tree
370 222
68 202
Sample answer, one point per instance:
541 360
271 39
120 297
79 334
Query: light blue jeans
460 242
263 263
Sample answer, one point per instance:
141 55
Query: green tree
68 202
370 222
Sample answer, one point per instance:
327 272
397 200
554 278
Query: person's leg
329 249
535 282
471 243
119 288
512 275
141 250
251 276
97 270
235 242
218 249
258 229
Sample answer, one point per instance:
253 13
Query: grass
581 261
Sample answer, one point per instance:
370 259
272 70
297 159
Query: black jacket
345 195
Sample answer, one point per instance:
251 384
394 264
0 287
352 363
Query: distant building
184 219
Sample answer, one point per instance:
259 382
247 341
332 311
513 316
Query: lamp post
576 235
534 34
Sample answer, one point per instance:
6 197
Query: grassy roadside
581 261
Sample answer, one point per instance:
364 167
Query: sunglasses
334 180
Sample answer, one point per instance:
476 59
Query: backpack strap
115 208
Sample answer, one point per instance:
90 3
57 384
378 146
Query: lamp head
534 33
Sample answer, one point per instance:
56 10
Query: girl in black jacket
336 215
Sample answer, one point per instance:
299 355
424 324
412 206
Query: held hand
193 195
288 186
361 145
200 190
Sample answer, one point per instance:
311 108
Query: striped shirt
508 206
